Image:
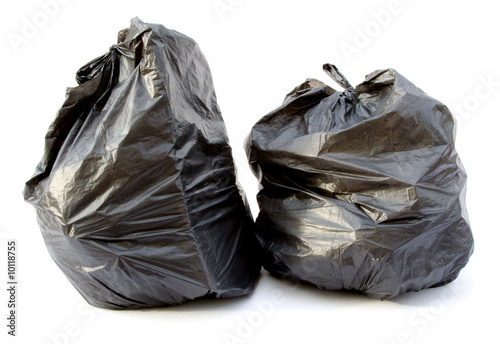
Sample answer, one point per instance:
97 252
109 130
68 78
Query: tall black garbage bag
136 194
361 189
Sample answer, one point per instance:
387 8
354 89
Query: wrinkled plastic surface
136 195
362 189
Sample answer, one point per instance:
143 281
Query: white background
258 51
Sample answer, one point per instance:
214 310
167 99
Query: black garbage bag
362 189
136 194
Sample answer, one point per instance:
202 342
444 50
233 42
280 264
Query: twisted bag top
361 189
136 194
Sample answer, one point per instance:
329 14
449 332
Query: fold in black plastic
362 189
136 194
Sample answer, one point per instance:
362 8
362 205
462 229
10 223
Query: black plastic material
361 189
136 195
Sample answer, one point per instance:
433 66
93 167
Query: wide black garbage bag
136 194
362 189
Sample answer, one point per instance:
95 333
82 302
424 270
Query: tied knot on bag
340 79
107 69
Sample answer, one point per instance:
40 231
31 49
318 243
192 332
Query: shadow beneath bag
209 303
311 296
302 296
